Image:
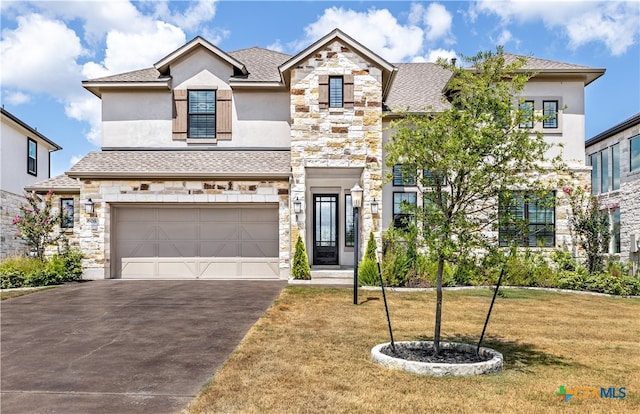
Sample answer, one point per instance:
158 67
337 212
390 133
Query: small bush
368 268
300 268
30 272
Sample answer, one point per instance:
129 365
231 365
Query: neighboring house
614 156
213 162
25 158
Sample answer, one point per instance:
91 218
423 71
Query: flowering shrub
36 222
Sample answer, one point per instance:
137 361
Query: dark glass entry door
325 229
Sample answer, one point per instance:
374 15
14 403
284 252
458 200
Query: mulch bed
446 356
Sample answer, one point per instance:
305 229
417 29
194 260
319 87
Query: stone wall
337 137
10 244
93 230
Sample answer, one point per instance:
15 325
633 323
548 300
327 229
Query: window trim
408 215
632 140
69 224
527 124
556 113
348 206
34 158
330 94
507 233
615 167
192 138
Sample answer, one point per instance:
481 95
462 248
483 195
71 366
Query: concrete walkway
122 346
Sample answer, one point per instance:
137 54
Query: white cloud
87 108
17 98
378 30
37 48
277 46
74 159
613 23
192 18
438 22
504 37
433 55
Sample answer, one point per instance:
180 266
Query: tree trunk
436 335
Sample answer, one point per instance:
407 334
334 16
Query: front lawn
311 353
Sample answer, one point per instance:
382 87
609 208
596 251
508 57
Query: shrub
368 268
30 272
300 268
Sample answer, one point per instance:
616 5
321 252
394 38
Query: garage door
188 242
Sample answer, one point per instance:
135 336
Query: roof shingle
60 184
196 163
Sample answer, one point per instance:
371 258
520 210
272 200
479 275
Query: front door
325 229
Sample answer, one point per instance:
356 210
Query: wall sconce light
88 207
374 207
297 206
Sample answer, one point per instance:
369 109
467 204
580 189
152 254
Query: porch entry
325 229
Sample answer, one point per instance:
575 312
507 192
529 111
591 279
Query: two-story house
25 158
213 162
614 156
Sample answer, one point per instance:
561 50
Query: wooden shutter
180 114
347 97
323 91
223 114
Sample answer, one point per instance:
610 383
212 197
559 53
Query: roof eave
96 88
257 84
61 189
626 124
172 174
31 130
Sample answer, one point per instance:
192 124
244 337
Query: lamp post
356 202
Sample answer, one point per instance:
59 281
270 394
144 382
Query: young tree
467 156
37 222
590 223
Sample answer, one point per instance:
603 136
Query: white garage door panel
196 242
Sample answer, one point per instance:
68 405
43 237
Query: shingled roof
417 87
183 164
261 63
60 184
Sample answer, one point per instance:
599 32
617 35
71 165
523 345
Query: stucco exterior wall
93 231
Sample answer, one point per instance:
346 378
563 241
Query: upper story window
605 170
336 91
432 179
527 219
66 209
550 113
202 114
402 176
32 157
527 117
634 153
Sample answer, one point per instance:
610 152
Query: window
527 116
430 179
595 184
335 92
604 171
527 220
403 205
202 114
634 153
32 157
402 176
615 167
349 228
615 234
66 210
550 113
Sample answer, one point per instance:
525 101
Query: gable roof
262 64
184 164
626 124
31 131
60 184
417 87
163 64
388 69
142 78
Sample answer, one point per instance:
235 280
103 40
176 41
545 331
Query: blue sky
47 48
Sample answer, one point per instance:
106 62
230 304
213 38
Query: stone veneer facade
343 138
627 197
92 231
10 244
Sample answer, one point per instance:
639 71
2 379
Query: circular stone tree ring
492 360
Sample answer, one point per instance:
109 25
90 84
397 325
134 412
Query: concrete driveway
122 346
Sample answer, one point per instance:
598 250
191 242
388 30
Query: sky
47 48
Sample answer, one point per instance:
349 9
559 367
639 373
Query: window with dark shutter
323 91
180 114
224 110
